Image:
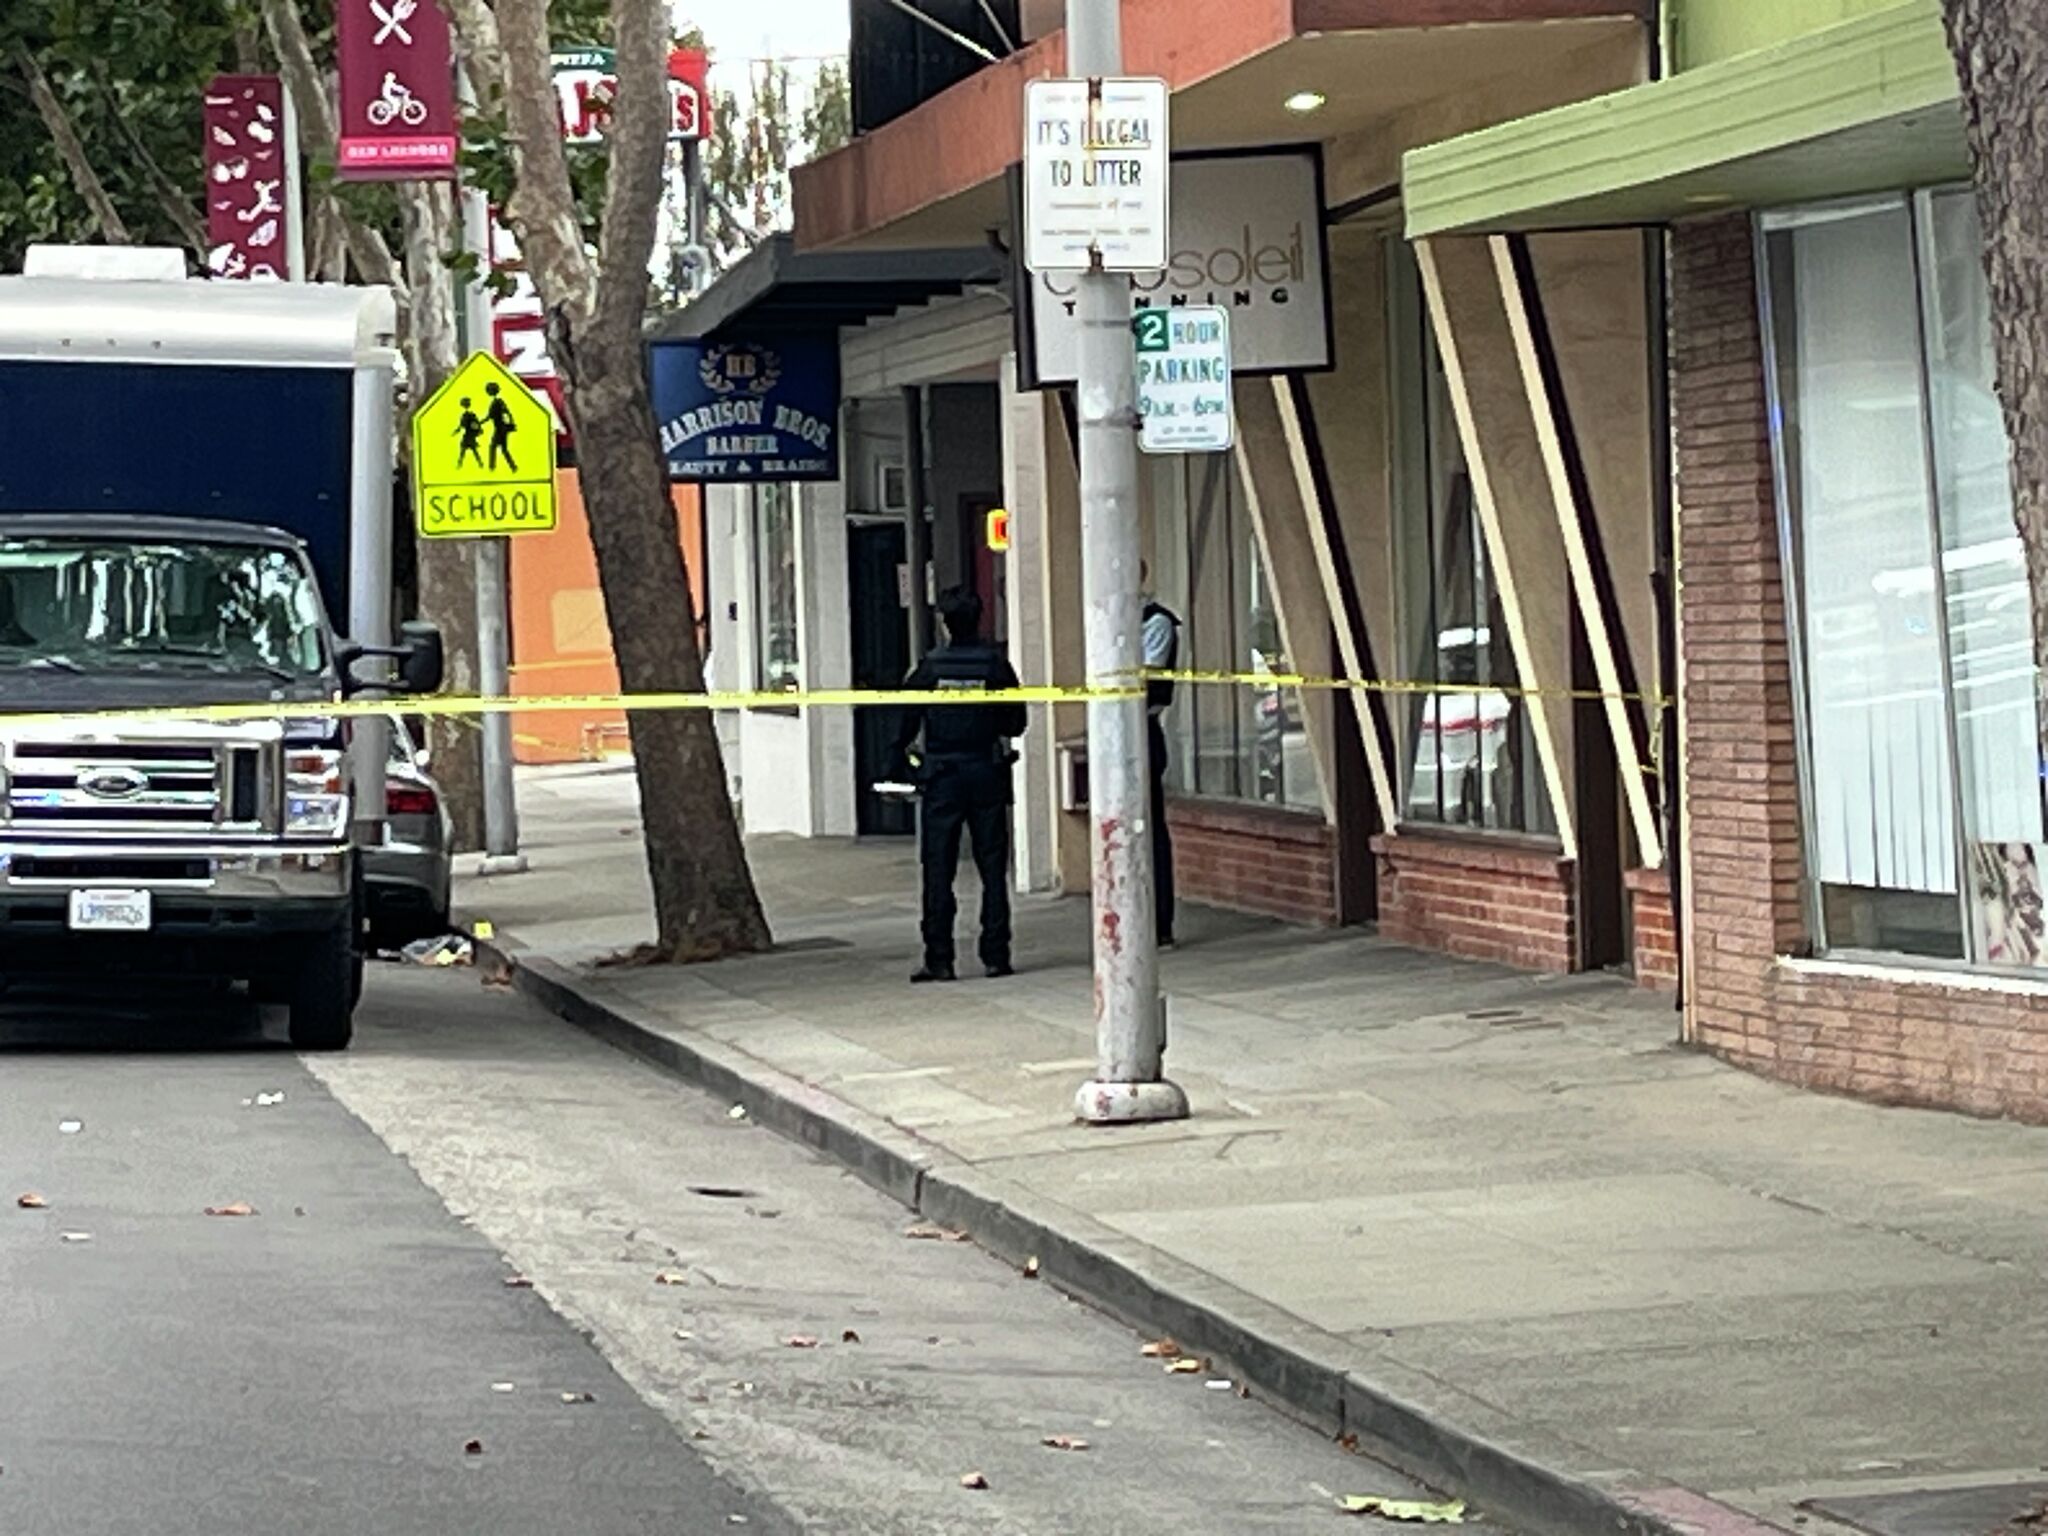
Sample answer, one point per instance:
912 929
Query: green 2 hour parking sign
1184 380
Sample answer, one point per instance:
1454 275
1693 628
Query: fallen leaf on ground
1183 1367
973 1480
518 1283
473 1448
928 1231
1064 1443
801 1341
1160 1349
579 1397
849 1337
234 1208
31 1201
1421 1511
670 1277
1031 1269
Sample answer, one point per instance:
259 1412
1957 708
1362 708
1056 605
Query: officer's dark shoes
929 972
999 969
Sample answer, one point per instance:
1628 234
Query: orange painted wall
560 641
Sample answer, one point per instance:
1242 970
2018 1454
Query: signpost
483 456
1097 155
1184 380
1096 175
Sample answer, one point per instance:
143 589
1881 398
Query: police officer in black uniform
965 777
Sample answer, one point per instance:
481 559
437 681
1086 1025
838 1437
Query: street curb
1302 1369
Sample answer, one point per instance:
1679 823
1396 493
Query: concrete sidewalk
1499 1224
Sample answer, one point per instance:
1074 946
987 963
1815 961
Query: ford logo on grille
113 783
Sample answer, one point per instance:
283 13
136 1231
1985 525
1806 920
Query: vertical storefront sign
397 91
519 325
249 210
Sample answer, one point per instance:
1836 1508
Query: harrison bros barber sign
739 411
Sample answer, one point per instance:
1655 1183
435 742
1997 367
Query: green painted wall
1705 30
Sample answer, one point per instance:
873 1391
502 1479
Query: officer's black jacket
961 730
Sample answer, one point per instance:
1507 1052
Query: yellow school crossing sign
483 456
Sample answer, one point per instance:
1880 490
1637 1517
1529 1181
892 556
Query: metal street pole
1130 1016
493 638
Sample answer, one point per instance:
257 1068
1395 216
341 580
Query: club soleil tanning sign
1248 239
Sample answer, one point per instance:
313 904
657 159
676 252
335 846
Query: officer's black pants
1162 836
975 799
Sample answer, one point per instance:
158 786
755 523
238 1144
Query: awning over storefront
779 289
936 176
1867 105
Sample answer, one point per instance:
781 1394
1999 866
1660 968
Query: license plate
101 911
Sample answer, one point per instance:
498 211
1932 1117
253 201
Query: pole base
1129 1103
502 864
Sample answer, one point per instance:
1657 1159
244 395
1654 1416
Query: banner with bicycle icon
397 91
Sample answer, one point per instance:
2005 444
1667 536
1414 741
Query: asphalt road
322 1365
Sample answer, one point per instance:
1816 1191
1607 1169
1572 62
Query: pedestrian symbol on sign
467 478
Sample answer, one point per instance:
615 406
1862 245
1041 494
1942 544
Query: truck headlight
316 801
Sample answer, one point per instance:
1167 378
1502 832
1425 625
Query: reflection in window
778 663
1924 791
96 603
1244 743
1470 746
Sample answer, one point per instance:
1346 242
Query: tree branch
638 133
481 52
172 198
65 135
318 124
543 210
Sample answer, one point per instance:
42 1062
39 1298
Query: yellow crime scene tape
475 706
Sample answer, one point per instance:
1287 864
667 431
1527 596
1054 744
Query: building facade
1862 783
1615 427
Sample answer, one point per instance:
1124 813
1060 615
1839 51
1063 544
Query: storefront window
1910 601
778 662
1240 743
1469 744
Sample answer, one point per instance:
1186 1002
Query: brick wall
1656 936
1479 896
1884 1033
1254 858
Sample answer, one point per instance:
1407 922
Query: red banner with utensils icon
397 91
248 210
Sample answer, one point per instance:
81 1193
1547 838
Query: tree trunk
704 897
2001 51
65 135
447 567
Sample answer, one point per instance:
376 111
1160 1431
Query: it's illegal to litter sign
1096 175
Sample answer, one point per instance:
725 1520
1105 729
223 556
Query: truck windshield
227 607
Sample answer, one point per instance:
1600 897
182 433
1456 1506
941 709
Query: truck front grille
134 786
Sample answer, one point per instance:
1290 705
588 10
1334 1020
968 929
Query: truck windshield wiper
35 659
213 659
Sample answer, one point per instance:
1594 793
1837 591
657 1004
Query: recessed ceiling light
1307 101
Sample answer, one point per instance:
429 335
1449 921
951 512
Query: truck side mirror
421 662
